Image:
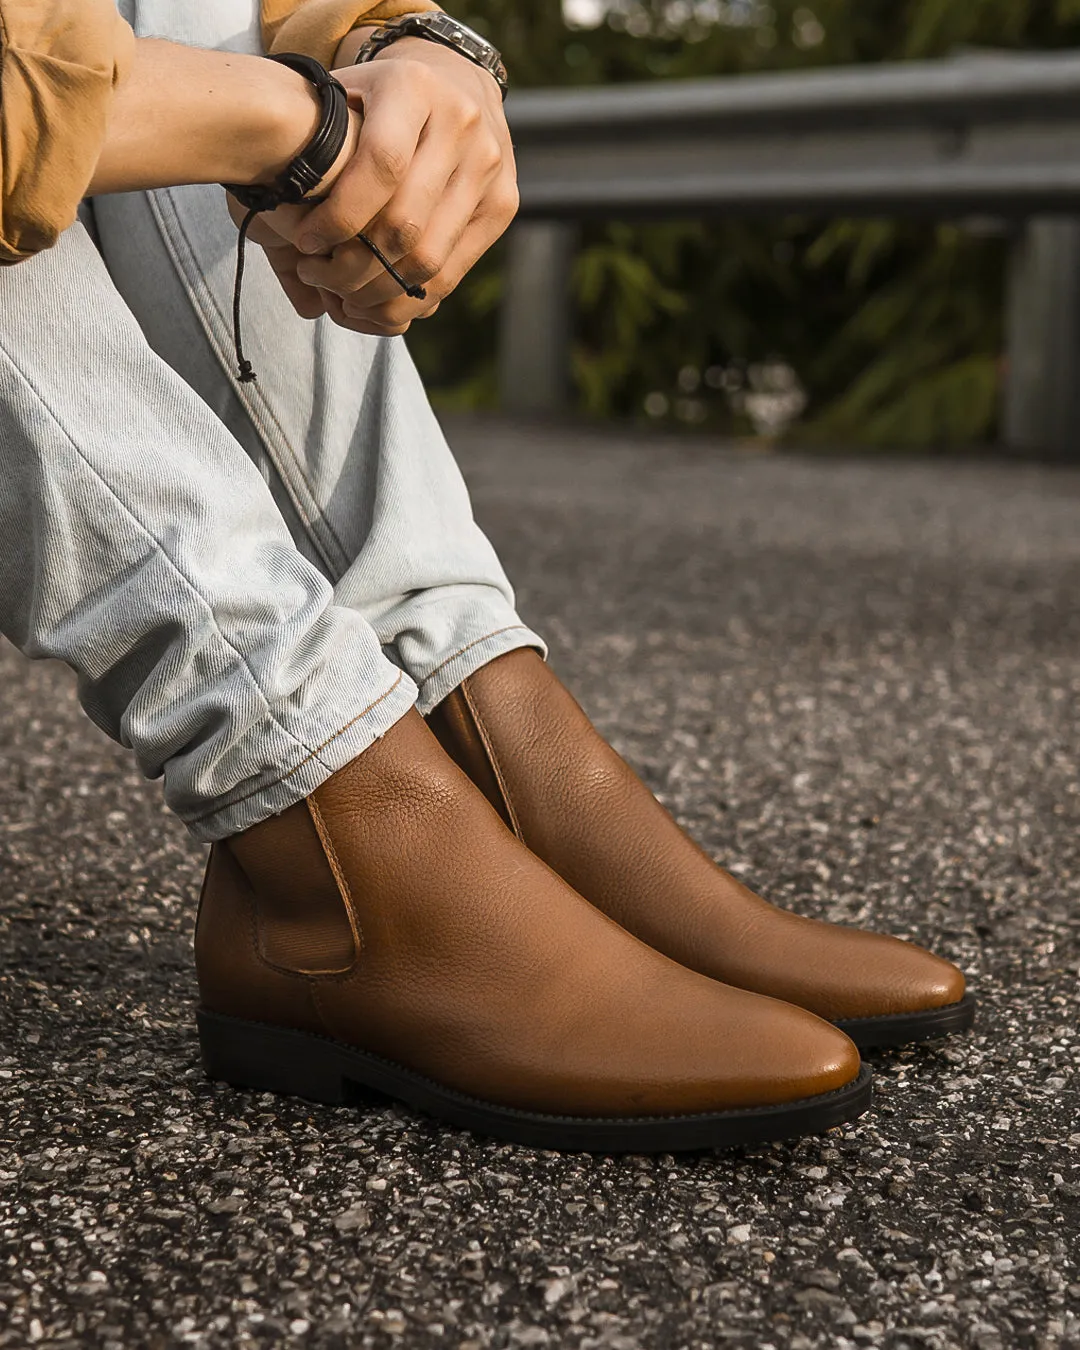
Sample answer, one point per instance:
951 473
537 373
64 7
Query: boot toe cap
909 979
774 1053
847 973
813 1058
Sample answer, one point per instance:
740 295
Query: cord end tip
247 374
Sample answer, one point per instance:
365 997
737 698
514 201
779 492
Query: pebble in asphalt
857 682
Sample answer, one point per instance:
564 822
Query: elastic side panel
302 920
452 722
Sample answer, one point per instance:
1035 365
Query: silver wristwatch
445 30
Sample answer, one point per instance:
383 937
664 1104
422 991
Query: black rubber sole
903 1028
275 1059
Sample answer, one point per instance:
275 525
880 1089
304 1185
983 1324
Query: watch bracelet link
425 26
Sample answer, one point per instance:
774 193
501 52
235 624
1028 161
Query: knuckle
389 163
505 201
398 313
392 315
414 73
436 294
423 266
447 287
335 222
469 114
491 154
403 236
385 325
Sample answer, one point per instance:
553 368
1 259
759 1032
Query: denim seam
313 754
256 407
215 326
159 547
510 628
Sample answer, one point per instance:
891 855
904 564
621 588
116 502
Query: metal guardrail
978 135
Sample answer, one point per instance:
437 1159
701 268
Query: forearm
184 115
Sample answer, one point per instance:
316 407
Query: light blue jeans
252 582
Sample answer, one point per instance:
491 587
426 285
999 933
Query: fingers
459 246
395 314
387 146
470 199
400 229
336 312
403 98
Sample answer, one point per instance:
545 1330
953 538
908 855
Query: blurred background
810 328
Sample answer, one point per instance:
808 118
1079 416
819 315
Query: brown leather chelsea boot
518 733
389 933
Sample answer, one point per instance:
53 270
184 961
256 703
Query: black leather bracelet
317 158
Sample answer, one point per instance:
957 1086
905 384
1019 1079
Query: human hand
432 182
273 231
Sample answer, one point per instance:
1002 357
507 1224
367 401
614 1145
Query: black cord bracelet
297 181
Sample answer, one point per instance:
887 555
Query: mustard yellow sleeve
316 27
59 63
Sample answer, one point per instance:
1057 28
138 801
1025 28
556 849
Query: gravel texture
857 682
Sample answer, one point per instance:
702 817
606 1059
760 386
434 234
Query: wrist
285 114
296 169
348 150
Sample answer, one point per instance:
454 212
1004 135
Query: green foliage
894 330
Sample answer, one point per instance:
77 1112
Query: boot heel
271 1059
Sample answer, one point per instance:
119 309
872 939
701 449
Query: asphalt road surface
857 682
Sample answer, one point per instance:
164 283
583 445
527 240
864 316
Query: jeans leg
142 548
340 427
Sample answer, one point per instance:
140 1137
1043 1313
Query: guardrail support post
1042 387
537 317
